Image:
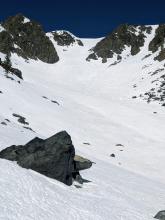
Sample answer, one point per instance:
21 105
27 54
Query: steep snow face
93 102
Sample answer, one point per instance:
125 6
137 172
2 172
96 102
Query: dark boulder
53 157
160 215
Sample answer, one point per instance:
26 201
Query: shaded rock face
63 38
6 42
125 35
53 157
158 42
160 215
30 40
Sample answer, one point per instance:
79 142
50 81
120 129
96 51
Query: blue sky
86 18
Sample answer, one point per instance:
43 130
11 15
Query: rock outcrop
157 42
27 39
64 38
9 69
53 157
125 35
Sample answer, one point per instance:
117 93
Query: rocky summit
53 157
27 39
132 36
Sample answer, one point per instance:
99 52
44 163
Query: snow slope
96 107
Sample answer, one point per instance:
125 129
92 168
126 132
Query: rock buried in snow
160 215
53 157
21 119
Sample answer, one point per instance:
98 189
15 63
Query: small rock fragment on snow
86 143
7 120
55 102
119 145
3 123
28 128
44 97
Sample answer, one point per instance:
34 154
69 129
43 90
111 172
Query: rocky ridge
131 36
27 39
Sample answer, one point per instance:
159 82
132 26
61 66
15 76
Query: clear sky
86 18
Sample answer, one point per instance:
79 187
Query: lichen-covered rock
82 163
64 38
27 39
125 35
53 157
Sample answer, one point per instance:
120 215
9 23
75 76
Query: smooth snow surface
96 107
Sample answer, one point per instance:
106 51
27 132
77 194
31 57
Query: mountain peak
26 38
125 35
16 19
